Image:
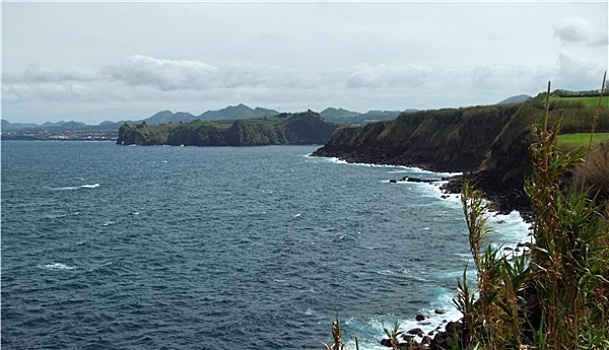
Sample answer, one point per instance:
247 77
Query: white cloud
51 91
366 76
36 73
165 74
170 75
578 30
578 74
508 78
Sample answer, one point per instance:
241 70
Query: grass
587 101
579 140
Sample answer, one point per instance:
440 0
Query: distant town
60 135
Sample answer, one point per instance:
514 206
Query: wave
71 188
57 216
90 186
397 169
56 267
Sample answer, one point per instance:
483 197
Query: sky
99 61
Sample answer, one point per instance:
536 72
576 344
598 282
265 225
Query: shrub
568 267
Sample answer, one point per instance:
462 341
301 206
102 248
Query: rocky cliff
490 144
299 128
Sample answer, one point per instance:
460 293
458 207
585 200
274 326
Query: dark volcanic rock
416 331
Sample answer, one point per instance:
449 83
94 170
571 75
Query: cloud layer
144 78
290 56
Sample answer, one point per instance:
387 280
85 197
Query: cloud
577 30
507 77
170 75
52 91
165 74
578 74
36 73
366 76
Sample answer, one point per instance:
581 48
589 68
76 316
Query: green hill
299 128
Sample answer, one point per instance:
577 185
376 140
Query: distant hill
170 117
515 99
300 128
7 126
332 113
240 111
344 116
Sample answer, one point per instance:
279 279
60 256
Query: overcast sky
115 61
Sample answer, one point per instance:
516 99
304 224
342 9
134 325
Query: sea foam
56 267
71 188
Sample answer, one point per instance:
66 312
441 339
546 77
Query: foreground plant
337 335
570 254
567 277
493 321
393 335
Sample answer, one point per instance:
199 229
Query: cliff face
299 128
443 140
490 143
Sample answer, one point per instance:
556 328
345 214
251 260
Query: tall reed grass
557 296
568 271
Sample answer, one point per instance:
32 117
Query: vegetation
586 101
580 140
557 295
300 128
568 268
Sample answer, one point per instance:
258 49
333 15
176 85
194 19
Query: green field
588 101
580 140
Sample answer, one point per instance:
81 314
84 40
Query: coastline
429 328
502 198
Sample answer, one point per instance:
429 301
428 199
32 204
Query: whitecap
70 188
397 168
56 267
108 223
90 186
297 215
58 216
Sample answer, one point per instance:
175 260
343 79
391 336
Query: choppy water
111 247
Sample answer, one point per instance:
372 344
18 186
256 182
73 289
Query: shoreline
502 198
429 328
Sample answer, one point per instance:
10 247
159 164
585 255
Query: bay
112 247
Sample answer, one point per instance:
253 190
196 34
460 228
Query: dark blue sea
113 247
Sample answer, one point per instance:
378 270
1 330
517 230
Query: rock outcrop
300 128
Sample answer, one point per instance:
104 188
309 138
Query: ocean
113 247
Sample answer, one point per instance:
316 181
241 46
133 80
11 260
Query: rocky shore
455 333
502 200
